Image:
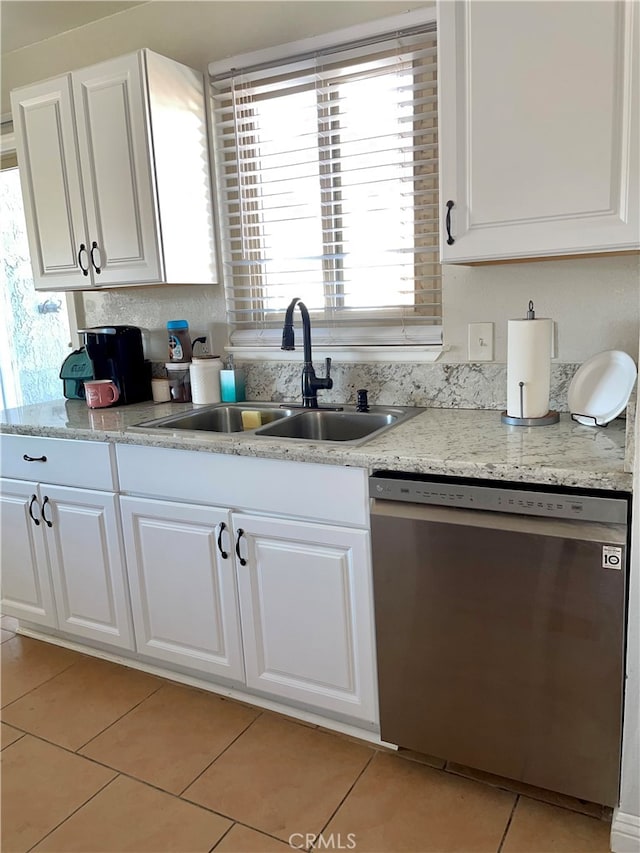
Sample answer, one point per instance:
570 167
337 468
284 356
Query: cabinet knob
34 500
242 560
450 239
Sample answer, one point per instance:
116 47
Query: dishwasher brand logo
611 557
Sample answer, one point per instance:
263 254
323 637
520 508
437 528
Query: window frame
421 342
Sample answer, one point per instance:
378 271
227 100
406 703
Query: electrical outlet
480 346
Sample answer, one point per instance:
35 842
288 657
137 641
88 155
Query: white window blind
327 168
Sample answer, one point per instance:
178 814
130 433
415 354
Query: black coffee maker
117 354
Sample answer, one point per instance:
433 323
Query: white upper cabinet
50 177
539 117
115 174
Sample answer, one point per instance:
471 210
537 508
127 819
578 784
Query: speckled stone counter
456 442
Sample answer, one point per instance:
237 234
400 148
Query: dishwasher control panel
391 487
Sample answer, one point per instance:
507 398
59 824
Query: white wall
191 31
593 301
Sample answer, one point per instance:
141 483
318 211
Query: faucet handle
326 381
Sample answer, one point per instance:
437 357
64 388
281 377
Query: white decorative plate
601 387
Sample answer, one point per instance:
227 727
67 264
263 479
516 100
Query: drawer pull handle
34 458
450 239
44 517
223 553
34 500
242 560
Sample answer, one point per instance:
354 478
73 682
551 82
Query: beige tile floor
98 757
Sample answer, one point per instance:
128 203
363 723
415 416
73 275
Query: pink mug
100 393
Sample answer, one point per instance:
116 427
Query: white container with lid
205 379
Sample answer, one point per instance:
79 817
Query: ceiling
26 22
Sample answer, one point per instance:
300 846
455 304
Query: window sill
342 353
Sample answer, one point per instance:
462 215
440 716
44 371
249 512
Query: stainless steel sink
346 425
225 417
322 425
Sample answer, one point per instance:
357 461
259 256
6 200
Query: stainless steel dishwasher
500 626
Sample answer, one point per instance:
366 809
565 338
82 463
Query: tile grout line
22 734
222 837
144 781
245 826
121 717
340 804
508 826
134 779
228 746
71 814
46 681
503 785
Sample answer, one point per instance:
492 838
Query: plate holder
596 422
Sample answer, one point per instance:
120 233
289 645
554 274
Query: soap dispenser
231 383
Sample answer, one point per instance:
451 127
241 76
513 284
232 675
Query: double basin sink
345 425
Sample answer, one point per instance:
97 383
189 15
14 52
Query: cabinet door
538 107
115 153
27 591
50 176
183 588
305 601
87 566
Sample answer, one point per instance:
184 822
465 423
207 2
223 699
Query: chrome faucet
311 383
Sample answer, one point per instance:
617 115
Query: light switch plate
480 346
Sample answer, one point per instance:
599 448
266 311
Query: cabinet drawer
319 492
65 462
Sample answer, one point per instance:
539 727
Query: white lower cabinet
27 591
183 587
305 600
87 564
62 561
271 589
255 570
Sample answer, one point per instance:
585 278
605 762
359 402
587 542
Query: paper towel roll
529 361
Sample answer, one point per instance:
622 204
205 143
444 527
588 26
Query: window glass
34 326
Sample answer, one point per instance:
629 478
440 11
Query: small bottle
205 379
179 341
232 383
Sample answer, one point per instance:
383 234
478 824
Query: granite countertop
456 442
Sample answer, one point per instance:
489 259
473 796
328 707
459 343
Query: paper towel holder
551 417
